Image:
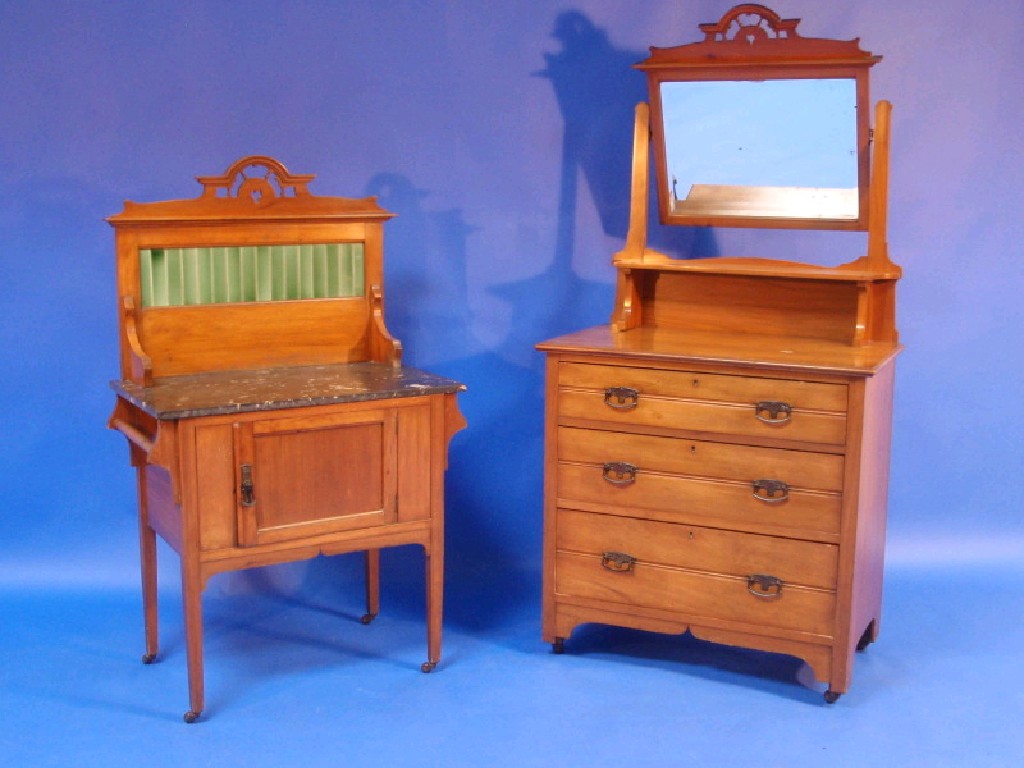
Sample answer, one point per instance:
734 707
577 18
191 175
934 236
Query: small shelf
854 272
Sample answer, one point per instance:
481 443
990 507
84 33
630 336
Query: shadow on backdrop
597 90
494 483
495 496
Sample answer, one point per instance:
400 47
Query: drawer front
702 416
699 549
806 395
701 458
676 498
694 594
714 404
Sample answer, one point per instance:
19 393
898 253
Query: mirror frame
752 43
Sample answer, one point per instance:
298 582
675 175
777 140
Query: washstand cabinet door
306 476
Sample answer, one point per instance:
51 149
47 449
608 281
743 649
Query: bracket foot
867 638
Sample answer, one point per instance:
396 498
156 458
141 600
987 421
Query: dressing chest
267 412
717 456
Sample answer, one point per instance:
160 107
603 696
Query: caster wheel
148 658
428 666
558 646
368 617
831 697
191 717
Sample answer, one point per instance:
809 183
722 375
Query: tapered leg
149 605
372 585
435 599
191 589
147 551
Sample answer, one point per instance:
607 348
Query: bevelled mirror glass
762 148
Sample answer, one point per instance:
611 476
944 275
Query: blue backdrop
500 134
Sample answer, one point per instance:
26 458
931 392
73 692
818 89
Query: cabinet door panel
318 476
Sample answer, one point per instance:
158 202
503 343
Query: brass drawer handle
621 398
764 587
618 562
768 411
771 491
619 473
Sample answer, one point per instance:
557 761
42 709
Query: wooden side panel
883 312
220 337
127 288
872 512
164 515
859 588
752 305
414 460
215 476
550 630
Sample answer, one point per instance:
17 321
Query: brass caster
368 617
558 646
191 717
831 697
428 666
148 658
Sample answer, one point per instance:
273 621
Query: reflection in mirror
772 148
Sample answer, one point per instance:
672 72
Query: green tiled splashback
174 277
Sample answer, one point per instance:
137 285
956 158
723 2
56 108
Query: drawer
699 549
766 490
696 595
713 404
724 388
676 498
701 458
